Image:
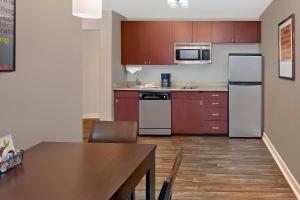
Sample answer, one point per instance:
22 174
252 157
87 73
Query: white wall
109 68
42 100
217 71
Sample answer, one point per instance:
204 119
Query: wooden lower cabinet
186 116
127 106
199 113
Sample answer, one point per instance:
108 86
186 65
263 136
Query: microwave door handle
200 56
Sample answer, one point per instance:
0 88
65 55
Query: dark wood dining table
73 171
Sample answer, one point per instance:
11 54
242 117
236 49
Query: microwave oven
192 53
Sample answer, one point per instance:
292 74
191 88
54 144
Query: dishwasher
155 113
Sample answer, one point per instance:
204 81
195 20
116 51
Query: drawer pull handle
215 103
215 128
215 95
215 114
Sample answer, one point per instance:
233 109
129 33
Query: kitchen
185 107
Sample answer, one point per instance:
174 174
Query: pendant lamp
90 9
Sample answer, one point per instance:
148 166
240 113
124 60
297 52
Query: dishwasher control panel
155 95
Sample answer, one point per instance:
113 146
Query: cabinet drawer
216 127
127 94
187 95
215 114
215 95
215 103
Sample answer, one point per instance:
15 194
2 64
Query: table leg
132 196
150 180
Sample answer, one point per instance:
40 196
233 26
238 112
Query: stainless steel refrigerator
245 95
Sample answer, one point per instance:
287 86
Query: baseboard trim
91 116
283 167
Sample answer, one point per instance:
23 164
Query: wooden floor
216 168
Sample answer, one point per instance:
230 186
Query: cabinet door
183 32
223 32
248 32
187 116
161 43
134 43
127 108
202 31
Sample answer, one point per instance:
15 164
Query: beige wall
282 97
41 101
91 64
109 69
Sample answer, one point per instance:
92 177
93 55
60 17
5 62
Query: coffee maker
165 80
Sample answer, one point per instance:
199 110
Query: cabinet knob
201 102
215 103
117 100
145 62
215 114
215 95
149 62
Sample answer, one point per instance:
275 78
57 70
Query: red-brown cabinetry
183 32
236 32
147 43
126 106
192 31
223 32
199 113
202 31
160 43
187 116
248 32
134 43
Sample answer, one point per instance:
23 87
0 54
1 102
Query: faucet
138 81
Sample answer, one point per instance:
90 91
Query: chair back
167 187
113 132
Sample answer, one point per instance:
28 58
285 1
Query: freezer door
245 111
245 68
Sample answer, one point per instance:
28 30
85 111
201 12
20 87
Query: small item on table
9 157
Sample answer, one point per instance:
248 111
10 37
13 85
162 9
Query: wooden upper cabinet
152 43
223 32
183 31
248 32
202 31
161 43
134 43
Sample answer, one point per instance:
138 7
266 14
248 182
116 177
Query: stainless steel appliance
166 80
155 113
245 95
192 53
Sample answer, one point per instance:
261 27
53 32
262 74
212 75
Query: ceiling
198 9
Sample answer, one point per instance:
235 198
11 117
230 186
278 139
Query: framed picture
7 35
286 41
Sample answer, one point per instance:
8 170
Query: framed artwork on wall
7 35
286 48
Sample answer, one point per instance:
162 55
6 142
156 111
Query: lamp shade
90 9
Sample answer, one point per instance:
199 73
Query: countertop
194 88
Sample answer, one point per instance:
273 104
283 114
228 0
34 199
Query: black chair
167 187
113 132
